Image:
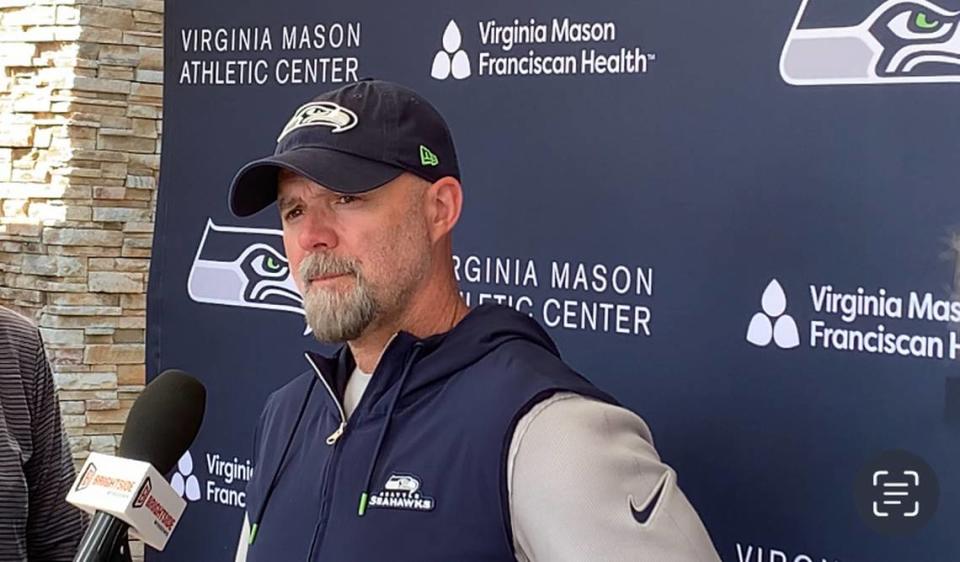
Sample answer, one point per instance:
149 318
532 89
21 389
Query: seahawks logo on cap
325 113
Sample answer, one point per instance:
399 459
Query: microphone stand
122 554
105 541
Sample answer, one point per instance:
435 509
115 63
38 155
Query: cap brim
255 185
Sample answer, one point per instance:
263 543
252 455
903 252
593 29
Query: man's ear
444 201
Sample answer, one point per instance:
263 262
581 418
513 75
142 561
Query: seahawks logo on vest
325 113
402 491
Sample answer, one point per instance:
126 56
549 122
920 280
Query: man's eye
292 213
346 199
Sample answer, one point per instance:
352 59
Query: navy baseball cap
352 140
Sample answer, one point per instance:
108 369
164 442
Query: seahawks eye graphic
899 41
243 267
915 25
916 39
268 265
267 274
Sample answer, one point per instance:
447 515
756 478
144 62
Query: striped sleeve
34 452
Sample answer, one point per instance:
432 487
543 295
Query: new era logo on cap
428 158
352 140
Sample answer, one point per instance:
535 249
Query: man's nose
317 233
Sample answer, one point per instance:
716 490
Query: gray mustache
319 265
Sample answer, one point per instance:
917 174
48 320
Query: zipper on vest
325 502
330 470
331 462
333 437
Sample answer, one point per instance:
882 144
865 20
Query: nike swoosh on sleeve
642 515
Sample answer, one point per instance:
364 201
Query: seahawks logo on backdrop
325 113
899 41
237 266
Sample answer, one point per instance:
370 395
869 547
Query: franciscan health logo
538 47
773 324
184 482
451 60
219 480
863 319
245 267
899 41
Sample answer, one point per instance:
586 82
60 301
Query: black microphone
161 425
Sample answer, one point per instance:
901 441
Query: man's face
357 259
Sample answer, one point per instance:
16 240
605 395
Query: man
36 469
437 433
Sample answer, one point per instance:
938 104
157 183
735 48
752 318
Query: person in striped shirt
36 470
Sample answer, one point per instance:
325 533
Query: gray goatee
336 316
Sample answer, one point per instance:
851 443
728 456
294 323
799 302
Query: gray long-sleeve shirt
36 471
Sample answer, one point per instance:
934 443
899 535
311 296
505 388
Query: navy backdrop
707 229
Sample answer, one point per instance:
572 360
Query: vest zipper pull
336 434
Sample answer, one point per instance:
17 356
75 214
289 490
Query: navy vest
437 480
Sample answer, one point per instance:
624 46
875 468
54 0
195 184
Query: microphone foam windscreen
164 420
